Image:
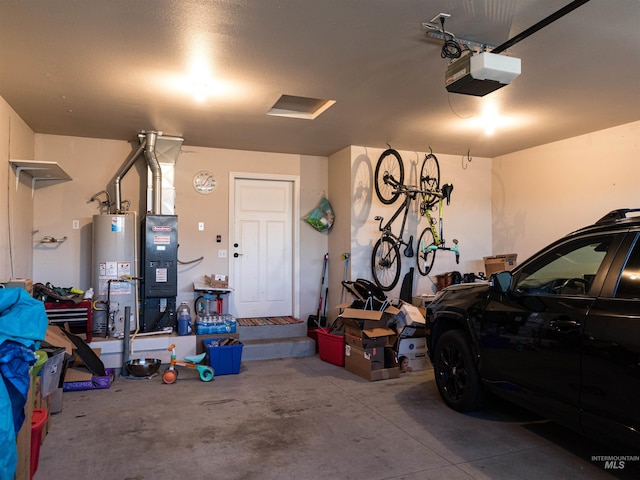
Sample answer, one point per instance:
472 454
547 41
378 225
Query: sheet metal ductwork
161 153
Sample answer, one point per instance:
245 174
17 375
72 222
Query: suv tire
455 372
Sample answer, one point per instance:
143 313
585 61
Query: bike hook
456 250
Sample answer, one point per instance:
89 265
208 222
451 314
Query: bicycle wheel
425 259
385 263
430 179
389 167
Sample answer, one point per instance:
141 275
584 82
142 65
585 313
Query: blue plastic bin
224 360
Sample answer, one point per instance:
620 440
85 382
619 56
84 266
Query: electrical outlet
76 224
222 254
201 226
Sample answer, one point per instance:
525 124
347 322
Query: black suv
559 335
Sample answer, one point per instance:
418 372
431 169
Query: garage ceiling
108 69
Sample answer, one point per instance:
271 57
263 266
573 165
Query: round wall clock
204 182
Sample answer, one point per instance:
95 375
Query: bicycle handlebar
444 192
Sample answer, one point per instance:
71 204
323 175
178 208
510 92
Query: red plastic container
38 419
331 347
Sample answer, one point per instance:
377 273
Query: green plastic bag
321 218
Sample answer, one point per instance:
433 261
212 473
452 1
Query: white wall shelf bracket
38 171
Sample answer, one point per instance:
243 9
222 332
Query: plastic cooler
51 371
331 347
224 360
38 419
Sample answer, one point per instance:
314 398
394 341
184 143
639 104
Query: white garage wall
547 191
16 206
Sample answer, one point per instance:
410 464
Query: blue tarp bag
23 324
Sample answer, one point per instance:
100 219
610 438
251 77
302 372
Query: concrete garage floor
302 418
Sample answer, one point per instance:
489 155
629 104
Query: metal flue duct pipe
160 153
154 166
128 163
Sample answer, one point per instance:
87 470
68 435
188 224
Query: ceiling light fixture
200 89
199 82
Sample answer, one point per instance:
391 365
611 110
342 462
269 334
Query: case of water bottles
209 324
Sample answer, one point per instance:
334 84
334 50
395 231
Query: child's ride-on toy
193 361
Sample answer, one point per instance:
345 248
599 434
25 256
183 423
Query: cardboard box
421 301
367 319
25 283
499 263
415 350
409 316
217 280
367 337
371 364
368 328
54 336
413 332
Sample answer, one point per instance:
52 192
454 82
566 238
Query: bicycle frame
439 242
410 195
386 257
427 247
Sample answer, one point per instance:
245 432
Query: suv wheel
456 375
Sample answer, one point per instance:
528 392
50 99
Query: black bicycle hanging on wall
386 260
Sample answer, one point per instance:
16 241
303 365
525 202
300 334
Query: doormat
260 321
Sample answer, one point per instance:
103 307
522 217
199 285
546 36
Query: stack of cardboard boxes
369 343
375 341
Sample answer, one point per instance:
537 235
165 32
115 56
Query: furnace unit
159 260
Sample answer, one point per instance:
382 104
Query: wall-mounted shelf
53 240
39 171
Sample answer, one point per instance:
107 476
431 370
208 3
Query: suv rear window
629 283
568 269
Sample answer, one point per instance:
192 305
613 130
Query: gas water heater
113 269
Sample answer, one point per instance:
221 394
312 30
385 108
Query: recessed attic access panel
305 108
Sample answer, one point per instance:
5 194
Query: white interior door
261 253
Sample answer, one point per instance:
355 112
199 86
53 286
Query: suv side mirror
501 281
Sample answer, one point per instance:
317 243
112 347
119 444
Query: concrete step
272 331
265 342
260 343
283 347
